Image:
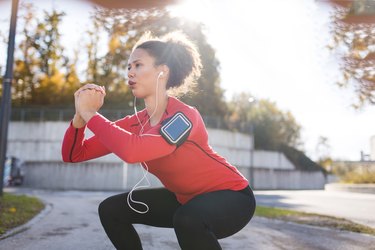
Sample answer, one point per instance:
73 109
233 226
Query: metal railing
57 114
61 114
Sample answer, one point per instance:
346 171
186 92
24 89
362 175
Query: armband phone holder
176 129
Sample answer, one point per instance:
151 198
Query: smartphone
177 129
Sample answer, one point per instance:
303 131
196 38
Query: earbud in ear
161 73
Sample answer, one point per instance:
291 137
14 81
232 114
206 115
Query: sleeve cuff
79 129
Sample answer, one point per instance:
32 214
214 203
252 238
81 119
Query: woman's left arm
129 146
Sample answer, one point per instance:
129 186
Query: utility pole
251 101
6 97
252 155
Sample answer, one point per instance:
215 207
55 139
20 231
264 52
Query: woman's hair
181 56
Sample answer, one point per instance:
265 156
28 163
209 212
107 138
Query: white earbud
161 73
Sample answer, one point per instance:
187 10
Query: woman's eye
138 65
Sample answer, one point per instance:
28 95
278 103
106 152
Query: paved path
356 207
71 222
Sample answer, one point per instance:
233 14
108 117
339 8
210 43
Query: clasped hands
88 100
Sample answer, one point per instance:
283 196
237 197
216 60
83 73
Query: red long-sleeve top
191 169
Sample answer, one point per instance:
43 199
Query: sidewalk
71 222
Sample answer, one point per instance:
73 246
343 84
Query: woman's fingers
90 86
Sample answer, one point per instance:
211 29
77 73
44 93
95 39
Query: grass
313 219
16 210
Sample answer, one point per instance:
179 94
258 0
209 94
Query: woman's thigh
161 204
223 212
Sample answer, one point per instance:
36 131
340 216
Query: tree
353 32
323 153
272 127
23 86
53 64
43 75
240 110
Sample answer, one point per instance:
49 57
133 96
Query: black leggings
198 224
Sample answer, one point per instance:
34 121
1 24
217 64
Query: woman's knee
112 208
105 207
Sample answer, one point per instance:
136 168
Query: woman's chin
137 94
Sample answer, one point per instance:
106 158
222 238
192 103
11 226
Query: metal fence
57 114
61 114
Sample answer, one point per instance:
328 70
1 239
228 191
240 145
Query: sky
275 50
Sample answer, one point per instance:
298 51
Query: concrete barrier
288 179
82 176
356 188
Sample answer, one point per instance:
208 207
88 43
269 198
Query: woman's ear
164 71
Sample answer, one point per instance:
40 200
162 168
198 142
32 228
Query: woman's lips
131 83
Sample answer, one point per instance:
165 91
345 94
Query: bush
354 173
356 177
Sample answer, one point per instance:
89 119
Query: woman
205 198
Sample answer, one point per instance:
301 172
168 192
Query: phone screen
177 128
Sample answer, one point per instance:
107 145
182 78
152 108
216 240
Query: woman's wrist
78 121
87 115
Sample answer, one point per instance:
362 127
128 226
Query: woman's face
142 73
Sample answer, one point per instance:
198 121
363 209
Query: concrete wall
83 176
41 141
39 145
288 179
271 159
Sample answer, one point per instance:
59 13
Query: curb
48 207
355 188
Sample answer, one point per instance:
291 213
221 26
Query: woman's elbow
129 158
66 159
69 159
65 154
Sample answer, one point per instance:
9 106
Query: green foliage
274 212
355 177
355 41
326 163
43 75
271 126
16 210
355 173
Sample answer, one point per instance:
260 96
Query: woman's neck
156 107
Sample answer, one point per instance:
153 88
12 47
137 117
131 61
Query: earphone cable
144 170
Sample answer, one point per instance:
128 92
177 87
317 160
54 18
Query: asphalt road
71 222
356 207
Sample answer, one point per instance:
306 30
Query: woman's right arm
75 148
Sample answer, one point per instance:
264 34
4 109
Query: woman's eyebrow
135 61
